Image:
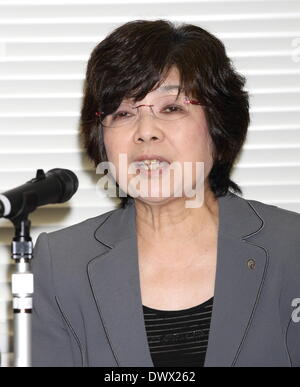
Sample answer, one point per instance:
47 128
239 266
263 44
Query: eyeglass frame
187 100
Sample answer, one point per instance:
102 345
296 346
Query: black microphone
56 186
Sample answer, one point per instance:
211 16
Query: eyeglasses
166 108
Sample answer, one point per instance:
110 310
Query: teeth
154 165
151 164
150 161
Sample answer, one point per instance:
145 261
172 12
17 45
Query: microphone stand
22 277
22 282
22 291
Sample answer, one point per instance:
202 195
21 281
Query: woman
157 282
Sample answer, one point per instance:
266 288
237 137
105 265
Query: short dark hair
136 57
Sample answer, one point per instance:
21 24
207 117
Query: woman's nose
147 128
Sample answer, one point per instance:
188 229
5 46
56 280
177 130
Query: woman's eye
119 115
173 108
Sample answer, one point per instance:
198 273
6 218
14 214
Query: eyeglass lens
167 108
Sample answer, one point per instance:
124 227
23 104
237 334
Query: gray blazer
87 301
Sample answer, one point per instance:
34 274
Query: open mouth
153 168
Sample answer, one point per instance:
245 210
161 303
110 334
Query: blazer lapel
115 282
241 269
114 278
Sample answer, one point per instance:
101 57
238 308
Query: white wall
44 47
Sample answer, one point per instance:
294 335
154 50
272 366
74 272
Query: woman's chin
155 202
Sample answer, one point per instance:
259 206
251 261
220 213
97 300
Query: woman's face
184 140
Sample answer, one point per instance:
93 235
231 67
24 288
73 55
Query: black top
178 338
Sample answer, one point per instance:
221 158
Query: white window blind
44 48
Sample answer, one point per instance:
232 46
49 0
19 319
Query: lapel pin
251 264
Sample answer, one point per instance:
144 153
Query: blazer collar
115 281
233 211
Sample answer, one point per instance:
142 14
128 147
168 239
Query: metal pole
22 291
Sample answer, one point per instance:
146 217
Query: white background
44 47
